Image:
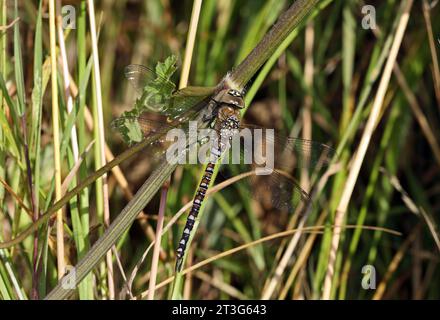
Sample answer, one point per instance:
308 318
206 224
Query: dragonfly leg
211 116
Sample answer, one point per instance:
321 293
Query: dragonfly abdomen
194 212
227 122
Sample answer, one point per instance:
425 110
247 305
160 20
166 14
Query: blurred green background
321 87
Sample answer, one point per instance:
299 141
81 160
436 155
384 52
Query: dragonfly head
230 97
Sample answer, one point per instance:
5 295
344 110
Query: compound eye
234 93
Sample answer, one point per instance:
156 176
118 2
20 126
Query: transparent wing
158 94
145 127
272 158
286 152
185 99
140 76
275 191
158 128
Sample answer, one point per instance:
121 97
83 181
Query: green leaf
167 68
157 96
18 66
128 127
4 124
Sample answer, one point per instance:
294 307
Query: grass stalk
82 241
363 146
156 250
102 188
56 140
432 47
3 106
378 294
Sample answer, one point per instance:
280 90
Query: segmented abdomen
194 212
225 129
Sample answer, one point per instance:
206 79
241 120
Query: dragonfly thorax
228 122
229 102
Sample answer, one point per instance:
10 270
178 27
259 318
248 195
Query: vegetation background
329 85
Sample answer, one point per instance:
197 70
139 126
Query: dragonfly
160 108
